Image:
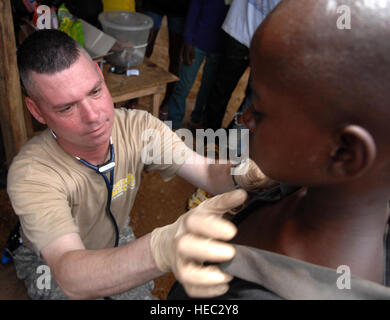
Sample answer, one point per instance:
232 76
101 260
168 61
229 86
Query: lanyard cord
102 170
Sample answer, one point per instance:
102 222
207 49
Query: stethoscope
102 170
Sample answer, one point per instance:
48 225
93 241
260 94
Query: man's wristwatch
236 185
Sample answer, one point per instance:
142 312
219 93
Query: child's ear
354 154
34 110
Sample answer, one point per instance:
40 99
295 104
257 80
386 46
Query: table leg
156 103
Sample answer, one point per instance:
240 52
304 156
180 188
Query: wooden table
152 80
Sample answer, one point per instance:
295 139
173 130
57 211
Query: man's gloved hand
248 176
183 247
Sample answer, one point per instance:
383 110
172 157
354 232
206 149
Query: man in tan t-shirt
70 196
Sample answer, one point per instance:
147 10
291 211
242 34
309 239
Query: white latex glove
183 246
249 177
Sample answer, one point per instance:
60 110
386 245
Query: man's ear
34 110
354 154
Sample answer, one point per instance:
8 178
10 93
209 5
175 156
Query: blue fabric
187 75
264 6
203 24
175 24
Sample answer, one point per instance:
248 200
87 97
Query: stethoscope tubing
109 166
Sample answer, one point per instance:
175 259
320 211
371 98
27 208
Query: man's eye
96 91
66 109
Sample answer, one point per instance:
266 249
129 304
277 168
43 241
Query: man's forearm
89 274
219 179
214 178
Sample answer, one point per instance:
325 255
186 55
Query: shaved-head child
321 120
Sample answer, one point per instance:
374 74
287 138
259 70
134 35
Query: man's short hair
45 51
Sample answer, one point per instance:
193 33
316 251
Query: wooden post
12 120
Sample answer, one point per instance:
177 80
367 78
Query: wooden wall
12 119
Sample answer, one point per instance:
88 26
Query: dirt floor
157 203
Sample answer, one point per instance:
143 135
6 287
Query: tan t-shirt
55 194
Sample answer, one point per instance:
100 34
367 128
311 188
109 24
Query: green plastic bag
70 24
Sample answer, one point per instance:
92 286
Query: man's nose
89 111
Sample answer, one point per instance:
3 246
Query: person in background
176 12
242 20
202 39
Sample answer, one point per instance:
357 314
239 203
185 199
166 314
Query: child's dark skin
321 120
